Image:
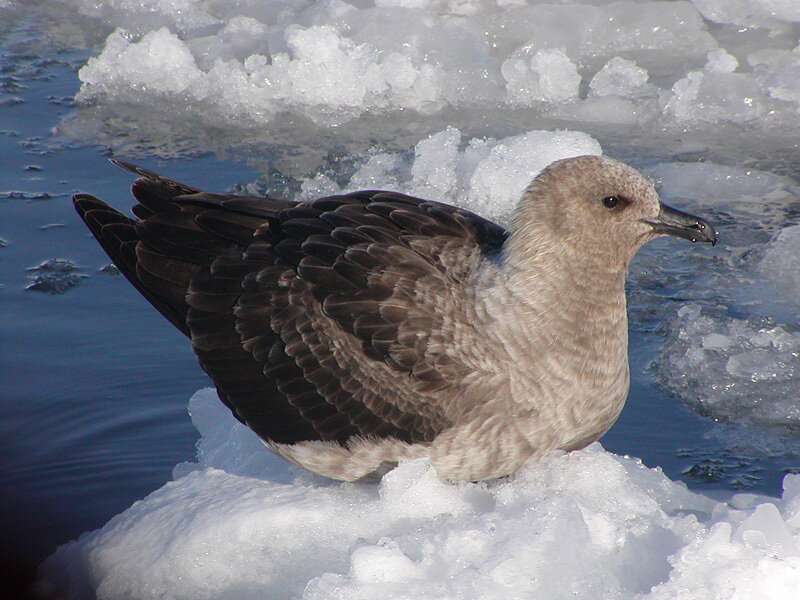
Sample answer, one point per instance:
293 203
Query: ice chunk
540 76
774 14
436 170
781 262
621 77
499 179
586 524
158 64
485 176
243 64
716 93
149 14
743 189
742 370
778 72
766 529
54 276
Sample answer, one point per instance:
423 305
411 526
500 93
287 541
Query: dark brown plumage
249 279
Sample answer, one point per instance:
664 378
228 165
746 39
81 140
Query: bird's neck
561 273
563 332
552 299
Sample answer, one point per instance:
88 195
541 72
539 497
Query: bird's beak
674 222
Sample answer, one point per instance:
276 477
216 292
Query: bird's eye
611 201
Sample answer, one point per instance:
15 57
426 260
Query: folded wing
320 320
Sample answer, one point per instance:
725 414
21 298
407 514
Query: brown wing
316 321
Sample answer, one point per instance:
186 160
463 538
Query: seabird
356 330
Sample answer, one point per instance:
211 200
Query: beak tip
675 222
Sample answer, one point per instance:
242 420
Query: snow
246 63
241 523
484 175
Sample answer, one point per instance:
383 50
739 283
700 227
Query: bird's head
598 210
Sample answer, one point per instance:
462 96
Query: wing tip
83 203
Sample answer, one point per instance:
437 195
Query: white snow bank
635 61
242 524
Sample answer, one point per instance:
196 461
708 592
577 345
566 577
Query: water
95 383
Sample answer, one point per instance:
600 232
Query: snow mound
242 524
483 175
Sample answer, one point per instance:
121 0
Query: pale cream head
595 210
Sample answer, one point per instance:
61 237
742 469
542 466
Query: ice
755 202
143 14
621 77
734 355
484 175
781 262
773 14
159 64
779 73
546 76
240 523
246 64
717 93
709 184
54 276
744 370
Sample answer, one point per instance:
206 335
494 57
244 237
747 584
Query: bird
357 330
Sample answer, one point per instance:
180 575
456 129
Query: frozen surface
671 64
735 356
240 523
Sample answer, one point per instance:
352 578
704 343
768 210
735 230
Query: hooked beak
675 222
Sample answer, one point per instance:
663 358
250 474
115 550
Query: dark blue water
94 383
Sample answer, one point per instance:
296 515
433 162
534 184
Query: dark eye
611 201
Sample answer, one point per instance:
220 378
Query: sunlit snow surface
464 101
589 524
